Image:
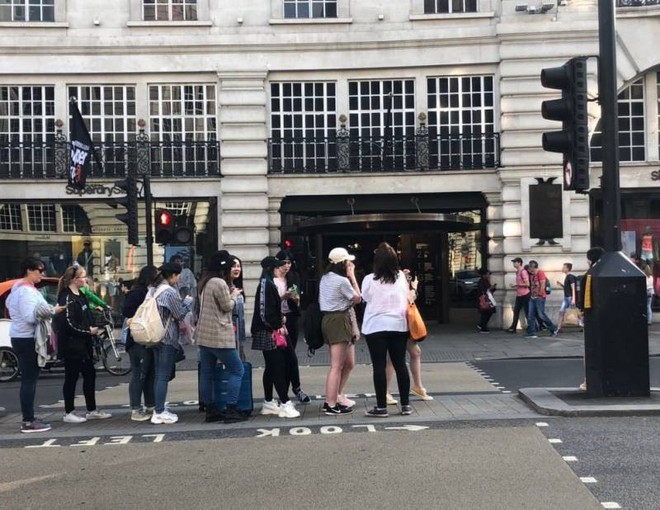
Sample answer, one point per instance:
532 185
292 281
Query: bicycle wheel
116 365
8 365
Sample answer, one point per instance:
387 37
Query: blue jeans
164 359
27 364
649 307
142 376
537 309
208 358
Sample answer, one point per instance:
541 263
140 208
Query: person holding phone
338 292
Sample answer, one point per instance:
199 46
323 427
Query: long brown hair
386 263
69 275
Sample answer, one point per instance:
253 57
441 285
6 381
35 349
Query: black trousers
484 317
275 374
73 368
521 303
394 343
292 369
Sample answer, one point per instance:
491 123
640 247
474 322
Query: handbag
572 317
416 326
485 304
280 340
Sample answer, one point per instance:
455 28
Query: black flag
81 148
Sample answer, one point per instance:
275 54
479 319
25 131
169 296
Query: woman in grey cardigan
214 335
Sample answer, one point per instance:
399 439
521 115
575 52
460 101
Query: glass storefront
88 233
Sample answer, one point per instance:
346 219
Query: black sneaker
406 410
233 415
336 410
302 397
378 413
510 330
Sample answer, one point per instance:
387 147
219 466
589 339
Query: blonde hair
69 275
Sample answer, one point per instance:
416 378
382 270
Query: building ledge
151 24
452 16
650 11
310 21
33 24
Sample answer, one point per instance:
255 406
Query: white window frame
27 5
277 14
10 217
136 17
358 127
43 216
170 5
103 111
485 9
450 6
310 6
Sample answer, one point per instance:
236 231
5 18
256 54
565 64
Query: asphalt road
514 374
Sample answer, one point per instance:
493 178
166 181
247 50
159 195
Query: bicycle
114 357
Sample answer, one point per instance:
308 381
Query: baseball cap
271 262
338 255
517 259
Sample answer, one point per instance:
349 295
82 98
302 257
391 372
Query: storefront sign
655 175
95 189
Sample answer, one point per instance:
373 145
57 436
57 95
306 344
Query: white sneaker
97 415
165 417
72 417
288 410
270 407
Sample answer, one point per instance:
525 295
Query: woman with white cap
338 292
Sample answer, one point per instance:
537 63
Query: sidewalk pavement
459 391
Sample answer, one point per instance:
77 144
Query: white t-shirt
387 304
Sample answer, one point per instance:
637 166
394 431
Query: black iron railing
37 160
420 152
636 3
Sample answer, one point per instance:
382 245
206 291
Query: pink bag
280 340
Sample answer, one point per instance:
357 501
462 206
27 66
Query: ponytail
69 275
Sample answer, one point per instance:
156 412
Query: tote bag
416 326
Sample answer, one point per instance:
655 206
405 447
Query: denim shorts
565 304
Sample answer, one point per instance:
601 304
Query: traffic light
573 140
130 202
164 226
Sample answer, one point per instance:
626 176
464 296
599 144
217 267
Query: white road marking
10 486
610 504
541 424
588 479
411 428
555 441
570 458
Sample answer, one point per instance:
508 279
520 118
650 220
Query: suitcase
245 400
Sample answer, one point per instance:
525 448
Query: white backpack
146 325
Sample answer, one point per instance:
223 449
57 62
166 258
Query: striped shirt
171 305
335 293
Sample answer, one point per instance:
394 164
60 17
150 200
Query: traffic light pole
616 347
149 220
607 92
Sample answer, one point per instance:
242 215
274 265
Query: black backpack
312 328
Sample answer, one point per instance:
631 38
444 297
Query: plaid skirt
262 340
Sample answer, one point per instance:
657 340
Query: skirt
336 327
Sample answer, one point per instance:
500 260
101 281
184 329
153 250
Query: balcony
637 3
416 153
168 159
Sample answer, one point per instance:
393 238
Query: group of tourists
220 335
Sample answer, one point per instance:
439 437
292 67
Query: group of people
30 333
219 333
532 289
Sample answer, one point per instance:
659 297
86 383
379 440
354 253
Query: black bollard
615 329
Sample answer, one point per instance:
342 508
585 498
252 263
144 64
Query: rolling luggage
245 400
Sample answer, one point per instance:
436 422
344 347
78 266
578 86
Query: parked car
8 360
464 284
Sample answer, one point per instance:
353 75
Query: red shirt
538 290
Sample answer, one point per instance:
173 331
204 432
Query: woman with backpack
266 321
171 309
141 357
75 336
215 337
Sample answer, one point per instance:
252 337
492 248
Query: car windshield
466 275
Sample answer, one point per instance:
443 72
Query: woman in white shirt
385 326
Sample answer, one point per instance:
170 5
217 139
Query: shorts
336 327
565 304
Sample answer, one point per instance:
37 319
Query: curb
545 401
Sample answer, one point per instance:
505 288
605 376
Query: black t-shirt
568 281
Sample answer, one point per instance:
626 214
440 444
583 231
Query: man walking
522 293
570 292
537 280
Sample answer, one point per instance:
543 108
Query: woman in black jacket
75 334
142 358
266 320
